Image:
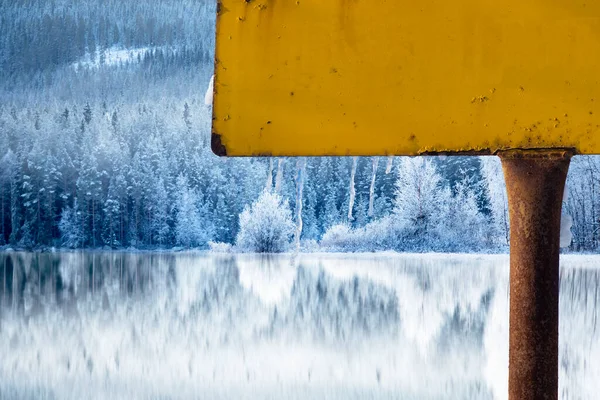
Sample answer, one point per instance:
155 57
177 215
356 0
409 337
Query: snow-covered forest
105 142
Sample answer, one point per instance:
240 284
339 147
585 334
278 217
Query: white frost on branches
390 162
279 176
266 226
372 187
300 166
208 96
566 222
352 189
269 183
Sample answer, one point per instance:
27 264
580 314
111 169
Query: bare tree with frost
266 226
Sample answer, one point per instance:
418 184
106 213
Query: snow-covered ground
429 326
113 56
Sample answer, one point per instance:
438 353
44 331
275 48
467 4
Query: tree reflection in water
177 325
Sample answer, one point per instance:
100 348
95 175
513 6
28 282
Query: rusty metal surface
535 182
378 77
217 147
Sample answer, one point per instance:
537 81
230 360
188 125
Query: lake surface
193 325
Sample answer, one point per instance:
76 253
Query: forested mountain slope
104 141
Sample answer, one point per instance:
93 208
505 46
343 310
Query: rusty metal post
535 181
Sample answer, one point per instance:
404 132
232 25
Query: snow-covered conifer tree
71 227
160 219
188 231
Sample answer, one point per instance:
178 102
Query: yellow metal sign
376 77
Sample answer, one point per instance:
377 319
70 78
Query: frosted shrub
340 237
381 234
377 235
219 247
266 226
309 246
191 226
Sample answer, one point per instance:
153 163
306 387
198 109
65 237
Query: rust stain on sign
358 77
216 145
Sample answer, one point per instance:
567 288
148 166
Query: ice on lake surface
331 326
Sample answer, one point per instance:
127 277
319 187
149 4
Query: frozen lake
330 326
